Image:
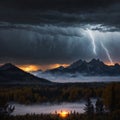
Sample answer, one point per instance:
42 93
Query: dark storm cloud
57 4
106 16
55 31
49 44
52 45
44 29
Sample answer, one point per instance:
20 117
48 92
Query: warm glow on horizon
30 68
63 114
58 65
109 64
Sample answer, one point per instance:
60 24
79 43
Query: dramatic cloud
50 44
43 44
58 4
50 32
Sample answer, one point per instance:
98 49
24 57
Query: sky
43 34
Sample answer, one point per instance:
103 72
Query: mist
77 77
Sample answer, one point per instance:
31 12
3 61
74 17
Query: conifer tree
99 106
89 108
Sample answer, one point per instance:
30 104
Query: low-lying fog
47 108
62 78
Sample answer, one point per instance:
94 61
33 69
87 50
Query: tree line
30 95
109 95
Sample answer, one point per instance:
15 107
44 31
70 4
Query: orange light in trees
63 114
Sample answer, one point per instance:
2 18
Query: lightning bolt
93 41
103 46
107 52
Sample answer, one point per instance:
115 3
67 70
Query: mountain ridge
9 73
95 67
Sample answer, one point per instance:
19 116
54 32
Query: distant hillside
93 68
13 75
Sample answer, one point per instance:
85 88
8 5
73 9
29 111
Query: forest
108 94
40 94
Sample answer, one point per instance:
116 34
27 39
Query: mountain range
93 68
13 75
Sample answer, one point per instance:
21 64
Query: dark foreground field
109 93
73 116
